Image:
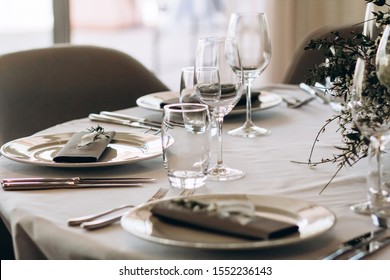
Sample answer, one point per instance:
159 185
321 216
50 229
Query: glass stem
248 103
376 169
219 121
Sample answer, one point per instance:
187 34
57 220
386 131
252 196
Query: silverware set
122 119
293 102
91 222
315 94
360 246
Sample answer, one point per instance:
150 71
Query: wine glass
370 111
187 87
217 85
253 40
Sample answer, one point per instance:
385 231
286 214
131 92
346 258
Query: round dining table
274 165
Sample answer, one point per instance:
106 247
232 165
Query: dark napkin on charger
257 228
91 152
193 99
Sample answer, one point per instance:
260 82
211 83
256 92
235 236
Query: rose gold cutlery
14 184
131 118
88 222
116 120
354 243
370 248
313 91
96 224
294 103
79 220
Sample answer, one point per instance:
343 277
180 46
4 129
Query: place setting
228 222
124 148
91 148
175 177
156 101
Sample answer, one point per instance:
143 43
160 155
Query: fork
297 102
79 220
187 192
91 225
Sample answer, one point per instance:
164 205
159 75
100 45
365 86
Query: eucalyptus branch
318 136
337 71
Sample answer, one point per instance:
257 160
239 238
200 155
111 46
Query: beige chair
43 87
298 69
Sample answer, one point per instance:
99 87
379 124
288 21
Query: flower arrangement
341 55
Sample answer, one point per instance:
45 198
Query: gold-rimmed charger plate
124 148
312 220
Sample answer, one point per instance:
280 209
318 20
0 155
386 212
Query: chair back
43 87
298 69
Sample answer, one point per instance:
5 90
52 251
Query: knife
354 243
108 119
131 118
79 180
370 248
15 184
56 185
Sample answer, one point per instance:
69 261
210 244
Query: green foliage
341 54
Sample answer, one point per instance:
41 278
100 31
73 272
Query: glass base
249 131
183 179
224 173
363 208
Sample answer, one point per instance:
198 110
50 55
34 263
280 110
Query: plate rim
233 112
76 165
231 245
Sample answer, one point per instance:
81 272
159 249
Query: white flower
88 139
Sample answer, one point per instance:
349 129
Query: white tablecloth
37 219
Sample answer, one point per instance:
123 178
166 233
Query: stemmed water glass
253 40
370 111
217 85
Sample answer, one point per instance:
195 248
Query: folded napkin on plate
228 217
193 99
79 149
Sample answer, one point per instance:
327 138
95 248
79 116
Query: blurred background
162 34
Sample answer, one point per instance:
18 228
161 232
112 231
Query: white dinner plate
124 148
155 100
311 219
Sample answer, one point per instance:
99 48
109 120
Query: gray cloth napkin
258 228
72 153
193 99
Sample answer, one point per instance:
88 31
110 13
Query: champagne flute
253 40
220 88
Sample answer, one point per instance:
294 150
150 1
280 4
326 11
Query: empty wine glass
254 44
220 88
370 111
